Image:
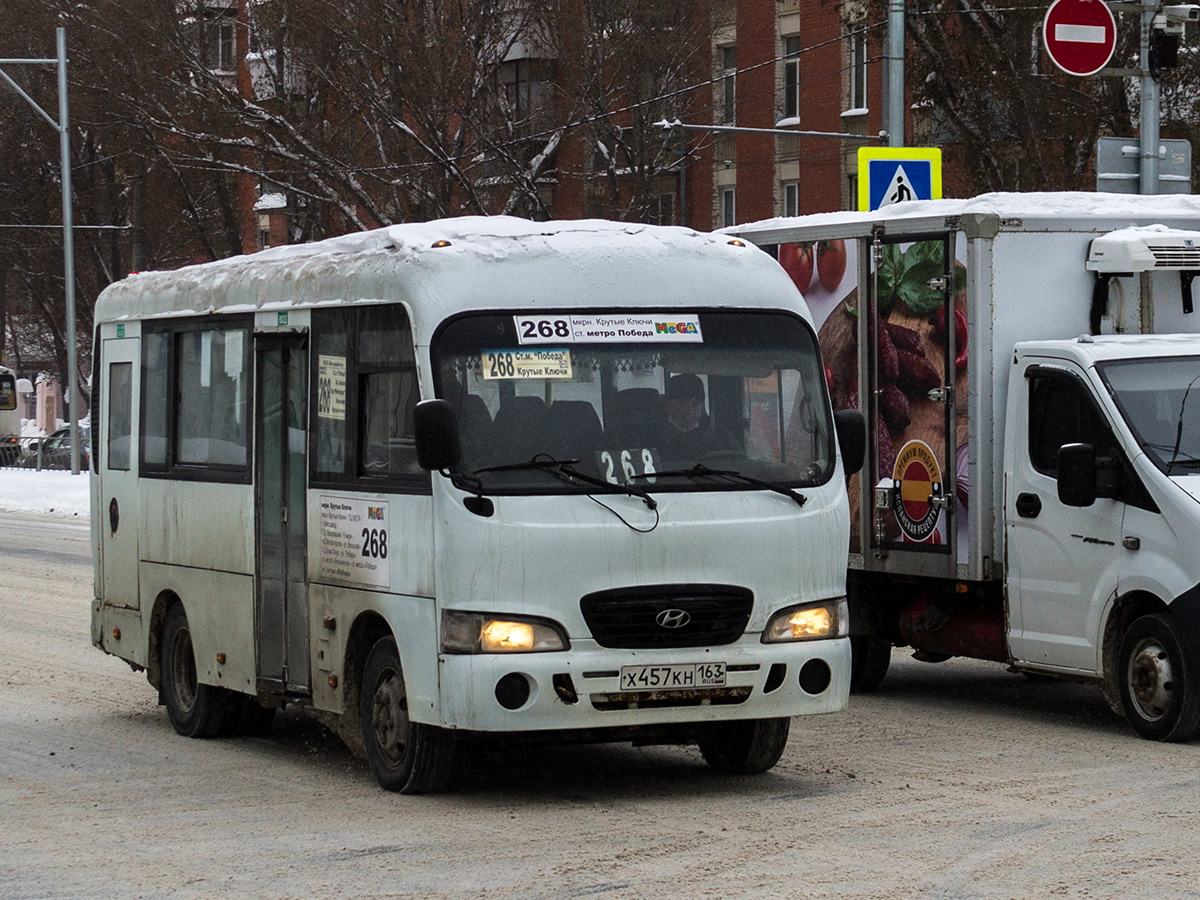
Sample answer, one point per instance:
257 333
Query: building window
728 208
791 78
728 85
221 43
791 199
852 188
858 69
515 75
661 210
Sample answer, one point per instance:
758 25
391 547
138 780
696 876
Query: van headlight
809 622
468 632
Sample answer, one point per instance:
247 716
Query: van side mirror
1077 474
851 427
436 426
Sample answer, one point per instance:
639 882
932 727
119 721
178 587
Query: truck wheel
196 710
1157 690
404 755
745 748
869 660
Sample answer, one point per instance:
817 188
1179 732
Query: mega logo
676 328
375 512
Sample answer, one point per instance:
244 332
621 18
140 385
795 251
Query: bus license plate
672 677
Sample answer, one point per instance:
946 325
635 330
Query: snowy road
956 781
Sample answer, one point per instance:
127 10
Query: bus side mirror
436 427
851 427
1077 474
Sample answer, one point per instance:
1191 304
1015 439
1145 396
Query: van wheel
869 660
745 748
196 710
1157 690
405 756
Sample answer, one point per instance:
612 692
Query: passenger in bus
690 433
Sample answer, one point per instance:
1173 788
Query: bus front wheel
196 710
745 748
405 756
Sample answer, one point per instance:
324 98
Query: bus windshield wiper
564 470
702 471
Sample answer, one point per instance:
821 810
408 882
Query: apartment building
792 65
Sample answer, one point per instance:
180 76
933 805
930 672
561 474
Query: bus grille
668 699
663 616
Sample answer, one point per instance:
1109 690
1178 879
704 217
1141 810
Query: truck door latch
939 395
937 284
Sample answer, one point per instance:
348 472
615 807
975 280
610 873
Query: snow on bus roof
1050 205
404 261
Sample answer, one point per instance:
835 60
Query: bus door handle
1028 505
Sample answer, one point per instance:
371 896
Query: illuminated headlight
466 632
809 622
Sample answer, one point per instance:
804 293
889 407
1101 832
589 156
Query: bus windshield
658 400
1160 400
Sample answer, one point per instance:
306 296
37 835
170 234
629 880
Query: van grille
633 618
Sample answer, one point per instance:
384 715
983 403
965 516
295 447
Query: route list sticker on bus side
354 541
331 387
615 329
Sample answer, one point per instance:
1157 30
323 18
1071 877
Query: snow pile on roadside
56 492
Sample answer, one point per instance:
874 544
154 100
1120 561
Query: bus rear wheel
405 756
196 710
745 748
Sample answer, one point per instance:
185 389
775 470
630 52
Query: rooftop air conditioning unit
1142 249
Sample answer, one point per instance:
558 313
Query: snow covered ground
55 492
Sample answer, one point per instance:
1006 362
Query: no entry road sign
1079 35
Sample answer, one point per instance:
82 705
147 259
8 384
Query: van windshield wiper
564 470
702 471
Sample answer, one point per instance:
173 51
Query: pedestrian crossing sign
888 175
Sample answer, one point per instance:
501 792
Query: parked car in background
56 450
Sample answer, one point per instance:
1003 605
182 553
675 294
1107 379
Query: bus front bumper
590 687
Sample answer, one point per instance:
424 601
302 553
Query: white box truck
1029 366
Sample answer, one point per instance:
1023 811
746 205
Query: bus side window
366 391
120 415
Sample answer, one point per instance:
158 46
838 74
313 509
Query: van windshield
632 397
1160 399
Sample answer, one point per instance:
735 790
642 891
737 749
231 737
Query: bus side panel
413 621
203 524
220 612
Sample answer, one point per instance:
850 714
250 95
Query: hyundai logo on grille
673 618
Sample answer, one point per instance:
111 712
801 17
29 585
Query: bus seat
572 431
516 432
635 418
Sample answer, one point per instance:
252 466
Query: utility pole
62 126
1149 109
893 54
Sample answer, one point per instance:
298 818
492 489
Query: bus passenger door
280 472
116 470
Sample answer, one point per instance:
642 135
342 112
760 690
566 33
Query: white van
472 479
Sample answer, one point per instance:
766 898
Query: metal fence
52 452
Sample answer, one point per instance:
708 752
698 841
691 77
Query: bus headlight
809 622
468 632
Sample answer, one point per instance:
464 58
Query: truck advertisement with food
1028 366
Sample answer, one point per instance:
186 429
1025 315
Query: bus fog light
808 622
464 632
815 676
512 691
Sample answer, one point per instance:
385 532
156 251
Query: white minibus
475 479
